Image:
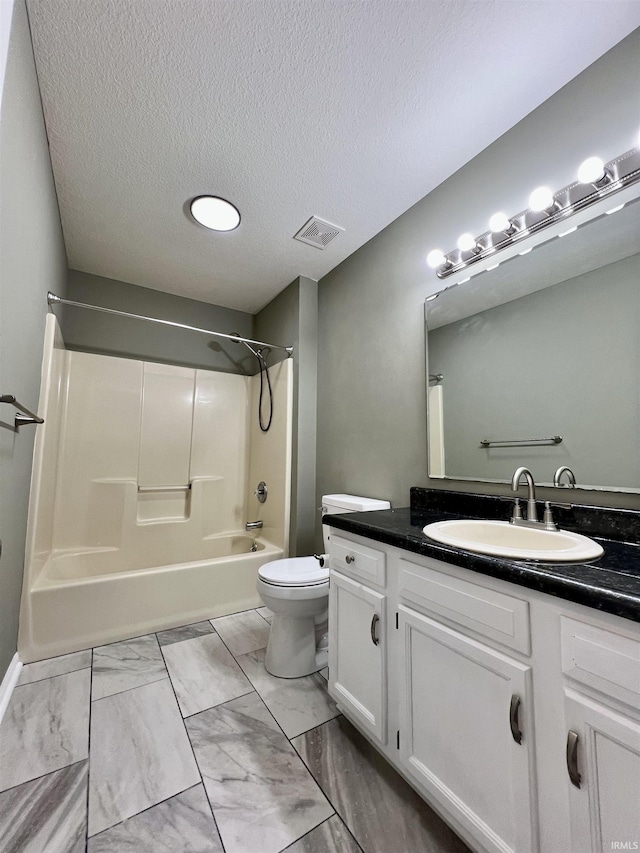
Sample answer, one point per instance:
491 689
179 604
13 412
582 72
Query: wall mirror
537 362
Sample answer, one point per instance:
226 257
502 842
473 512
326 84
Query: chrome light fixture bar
597 181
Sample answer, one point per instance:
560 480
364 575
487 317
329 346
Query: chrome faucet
571 477
532 511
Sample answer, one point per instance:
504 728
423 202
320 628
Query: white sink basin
502 539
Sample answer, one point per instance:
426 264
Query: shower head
262 363
257 353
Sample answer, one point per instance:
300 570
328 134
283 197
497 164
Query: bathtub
96 596
121 542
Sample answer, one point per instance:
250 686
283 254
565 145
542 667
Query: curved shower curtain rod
52 299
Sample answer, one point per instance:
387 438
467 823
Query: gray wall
92 331
555 362
371 382
292 318
32 261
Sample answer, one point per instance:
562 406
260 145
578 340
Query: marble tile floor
181 742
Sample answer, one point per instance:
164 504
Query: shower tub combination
143 482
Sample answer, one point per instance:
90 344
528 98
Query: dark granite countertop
611 583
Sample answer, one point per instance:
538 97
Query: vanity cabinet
603 757
466 730
357 652
490 699
602 698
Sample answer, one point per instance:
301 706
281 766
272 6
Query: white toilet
296 590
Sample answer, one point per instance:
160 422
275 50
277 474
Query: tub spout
253 525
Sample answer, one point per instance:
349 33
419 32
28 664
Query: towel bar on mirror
20 420
521 442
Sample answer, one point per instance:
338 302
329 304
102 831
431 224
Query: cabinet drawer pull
374 622
572 758
349 559
514 712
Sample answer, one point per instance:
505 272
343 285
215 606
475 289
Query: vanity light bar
546 209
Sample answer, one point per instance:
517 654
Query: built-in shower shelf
164 488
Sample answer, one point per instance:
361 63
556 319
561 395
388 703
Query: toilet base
291 650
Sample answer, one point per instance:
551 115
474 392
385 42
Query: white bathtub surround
139 758
143 483
191 665
298 704
242 632
46 727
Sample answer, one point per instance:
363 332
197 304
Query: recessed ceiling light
215 213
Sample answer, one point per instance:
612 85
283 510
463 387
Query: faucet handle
547 518
517 511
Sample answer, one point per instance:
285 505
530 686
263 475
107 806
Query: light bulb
215 213
466 242
499 222
435 258
541 199
591 171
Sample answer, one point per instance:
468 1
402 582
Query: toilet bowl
296 590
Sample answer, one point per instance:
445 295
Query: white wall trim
8 683
6 12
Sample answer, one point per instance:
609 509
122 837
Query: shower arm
52 299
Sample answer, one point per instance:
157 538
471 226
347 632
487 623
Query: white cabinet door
605 809
464 706
357 652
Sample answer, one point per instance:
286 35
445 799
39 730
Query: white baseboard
8 683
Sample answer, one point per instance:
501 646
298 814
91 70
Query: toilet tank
334 504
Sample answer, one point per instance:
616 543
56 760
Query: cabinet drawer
357 560
601 659
491 614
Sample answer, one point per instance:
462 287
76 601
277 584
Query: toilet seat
294 572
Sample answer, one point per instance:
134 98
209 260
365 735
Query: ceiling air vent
316 232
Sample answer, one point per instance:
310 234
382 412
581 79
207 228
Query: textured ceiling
350 111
